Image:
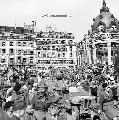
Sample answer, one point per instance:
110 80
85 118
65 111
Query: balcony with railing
60 35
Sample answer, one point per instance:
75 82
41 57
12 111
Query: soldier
39 105
7 114
105 100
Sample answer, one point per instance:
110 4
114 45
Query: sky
80 14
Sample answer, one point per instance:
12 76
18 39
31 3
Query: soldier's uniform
105 101
40 105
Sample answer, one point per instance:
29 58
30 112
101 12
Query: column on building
88 52
80 62
109 48
94 54
109 52
89 55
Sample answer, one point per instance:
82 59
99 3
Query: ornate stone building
101 43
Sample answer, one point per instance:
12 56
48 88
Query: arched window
100 28
100 16
114 27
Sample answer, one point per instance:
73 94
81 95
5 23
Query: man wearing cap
105 100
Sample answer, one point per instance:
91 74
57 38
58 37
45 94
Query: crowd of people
22 97
25 97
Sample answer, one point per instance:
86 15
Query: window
24 52
63 54
31 44
39 47
24 60
19 43
19 59
11 60
44 55
3 43
11 51
100 28
24 43
38 62
70 42
63 42
3 60
48 54
114 28
56 41
70 48
19 52
22 30
65 49
39 54
59 55
100 16
57 48
53 47
48 47
3 51
31 60
48 41
71 55
31 52
44 47
53 54
11 43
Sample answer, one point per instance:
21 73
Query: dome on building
105 20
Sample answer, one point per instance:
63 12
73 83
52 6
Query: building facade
101 43
55 49
42 50
16 48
